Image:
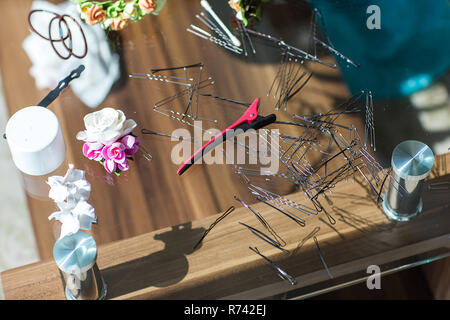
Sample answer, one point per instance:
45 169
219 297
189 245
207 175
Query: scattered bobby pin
266 238
223 216
263 222
321 258
280 272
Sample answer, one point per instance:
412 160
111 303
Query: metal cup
75 256
411 162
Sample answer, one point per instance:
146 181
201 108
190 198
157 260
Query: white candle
35 139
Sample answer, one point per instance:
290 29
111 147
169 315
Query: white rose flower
106 126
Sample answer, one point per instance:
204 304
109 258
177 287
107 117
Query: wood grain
163 265
151 196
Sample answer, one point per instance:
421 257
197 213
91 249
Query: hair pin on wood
280 272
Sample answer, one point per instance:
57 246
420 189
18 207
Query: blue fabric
410 50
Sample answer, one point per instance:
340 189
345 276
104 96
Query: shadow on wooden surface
140 273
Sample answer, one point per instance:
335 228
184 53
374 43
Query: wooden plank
162 264
438 277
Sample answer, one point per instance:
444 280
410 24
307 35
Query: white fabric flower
131 11
106 126
67 191
70 194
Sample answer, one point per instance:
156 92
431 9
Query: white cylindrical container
35 139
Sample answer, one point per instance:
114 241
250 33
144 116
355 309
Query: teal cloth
410 50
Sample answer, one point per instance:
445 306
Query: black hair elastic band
63 38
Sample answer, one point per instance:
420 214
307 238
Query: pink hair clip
108 139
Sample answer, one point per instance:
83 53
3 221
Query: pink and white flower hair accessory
108 139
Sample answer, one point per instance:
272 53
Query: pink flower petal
118 145
130 152
105 152
110 166
128 141
86 150
124 166
92 150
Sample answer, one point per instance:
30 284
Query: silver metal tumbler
411 163
75 256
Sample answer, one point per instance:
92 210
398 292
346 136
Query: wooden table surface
151 196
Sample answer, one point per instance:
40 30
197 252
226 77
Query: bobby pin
439 185
210 10
189 92
217 41
329 216
280 272
263 222
213 27
223 216
329 46
309 236
246 104
265 238
369 122
186 91
321 258
195 65
313 121
247 36
241 34
288 214
148 76
379 198
145 153
332 113
289 81
281 200
146 131
303 55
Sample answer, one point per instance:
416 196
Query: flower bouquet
116 15
108 139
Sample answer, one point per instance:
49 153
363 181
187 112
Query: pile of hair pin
191 79
218 32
